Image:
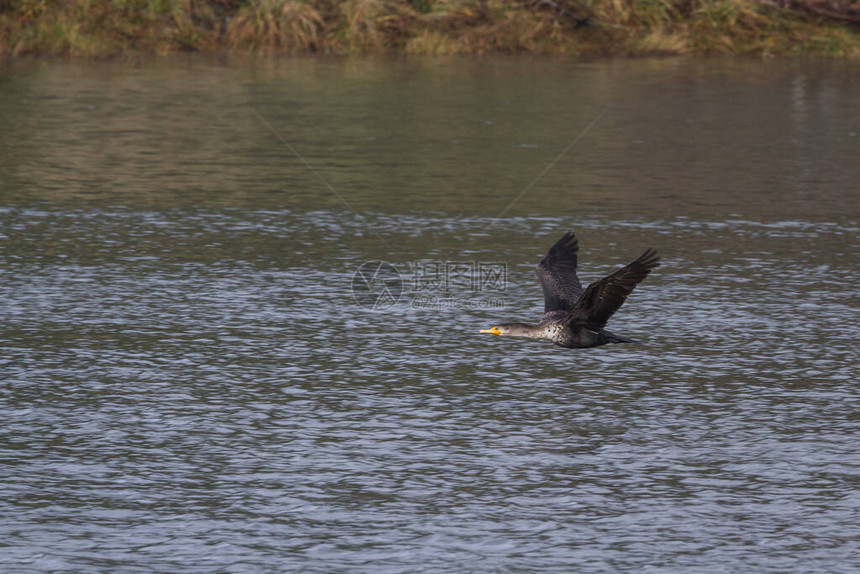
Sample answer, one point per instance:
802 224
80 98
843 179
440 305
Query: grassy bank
94 28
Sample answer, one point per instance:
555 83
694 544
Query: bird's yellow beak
494 331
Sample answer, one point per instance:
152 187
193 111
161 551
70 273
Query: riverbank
104 28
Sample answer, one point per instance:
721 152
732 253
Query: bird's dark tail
613 338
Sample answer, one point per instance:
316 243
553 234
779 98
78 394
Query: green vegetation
95 28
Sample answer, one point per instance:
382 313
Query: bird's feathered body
573 318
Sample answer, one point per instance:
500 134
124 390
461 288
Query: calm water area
194 379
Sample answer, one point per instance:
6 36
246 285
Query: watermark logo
377 285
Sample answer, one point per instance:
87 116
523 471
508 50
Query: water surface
188 383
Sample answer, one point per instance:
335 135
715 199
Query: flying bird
573 318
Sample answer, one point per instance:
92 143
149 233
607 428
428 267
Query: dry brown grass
743 27
276 25
92 28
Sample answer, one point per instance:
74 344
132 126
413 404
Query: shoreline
593 29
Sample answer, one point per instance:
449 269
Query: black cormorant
572 318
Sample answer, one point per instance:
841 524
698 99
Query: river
194 378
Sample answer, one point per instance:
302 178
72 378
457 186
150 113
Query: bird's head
507 330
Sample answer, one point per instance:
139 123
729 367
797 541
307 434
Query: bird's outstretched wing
604 297
557 275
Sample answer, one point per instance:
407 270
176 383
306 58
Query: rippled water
188 383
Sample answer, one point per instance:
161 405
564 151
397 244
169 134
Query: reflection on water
466 136
188 384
